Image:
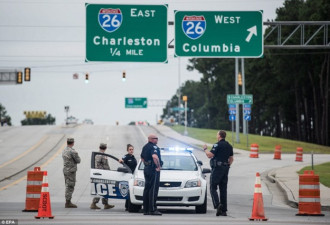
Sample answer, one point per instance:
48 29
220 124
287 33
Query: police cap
70 139
103 146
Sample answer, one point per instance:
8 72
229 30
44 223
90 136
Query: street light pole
237 105
243 93
185 99
179 90
66 108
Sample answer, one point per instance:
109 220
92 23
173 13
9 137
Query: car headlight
193 183
139 182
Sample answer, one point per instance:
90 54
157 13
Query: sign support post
237 105
247 133
232 131
185 99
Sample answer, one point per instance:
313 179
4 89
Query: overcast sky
49 37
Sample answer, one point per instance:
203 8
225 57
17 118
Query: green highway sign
179 109
239 99
225 34
136 103
126 33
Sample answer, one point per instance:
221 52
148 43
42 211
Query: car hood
172 175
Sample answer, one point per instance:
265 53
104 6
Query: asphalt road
20 147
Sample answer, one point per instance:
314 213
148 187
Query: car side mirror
206 170
123 170
200 163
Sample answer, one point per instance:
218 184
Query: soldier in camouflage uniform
101 162
70 161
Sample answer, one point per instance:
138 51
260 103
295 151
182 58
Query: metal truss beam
157 102
308 38
283 35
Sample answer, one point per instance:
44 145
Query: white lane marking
43 165
145 137
24 153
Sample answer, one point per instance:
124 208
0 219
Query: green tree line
5 120
290 88
47 120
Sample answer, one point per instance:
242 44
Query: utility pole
179 90
185 99
243 93
237 105
66 108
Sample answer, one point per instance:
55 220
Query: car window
105 161
176 162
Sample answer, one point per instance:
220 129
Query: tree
48 119
4 118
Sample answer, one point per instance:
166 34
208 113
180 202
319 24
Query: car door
111 183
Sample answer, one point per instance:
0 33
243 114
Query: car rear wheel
132 207
202 208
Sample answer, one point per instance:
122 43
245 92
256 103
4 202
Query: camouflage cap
103 145
70 139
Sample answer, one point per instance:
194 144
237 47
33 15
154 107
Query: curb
289 197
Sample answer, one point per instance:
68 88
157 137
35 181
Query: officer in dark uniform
151 158
131 162
221 156
129 158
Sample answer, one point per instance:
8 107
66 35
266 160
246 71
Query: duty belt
222 163
147 163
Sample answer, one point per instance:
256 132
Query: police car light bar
176 149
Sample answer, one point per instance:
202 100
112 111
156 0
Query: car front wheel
132 207
202 208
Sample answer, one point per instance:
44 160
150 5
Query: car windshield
177 162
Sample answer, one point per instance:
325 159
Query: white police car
182 181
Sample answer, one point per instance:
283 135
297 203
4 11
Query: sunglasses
155 138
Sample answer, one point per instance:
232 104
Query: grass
323 170
266 144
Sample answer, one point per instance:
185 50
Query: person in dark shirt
131 162
151 158
221 156
129 158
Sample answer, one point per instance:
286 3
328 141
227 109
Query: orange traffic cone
258 204
44 204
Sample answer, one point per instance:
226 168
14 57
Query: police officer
70 161
130 161
101 162
151 158
221 156
129 158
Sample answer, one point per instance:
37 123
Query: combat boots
107 206
94 206
69 204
